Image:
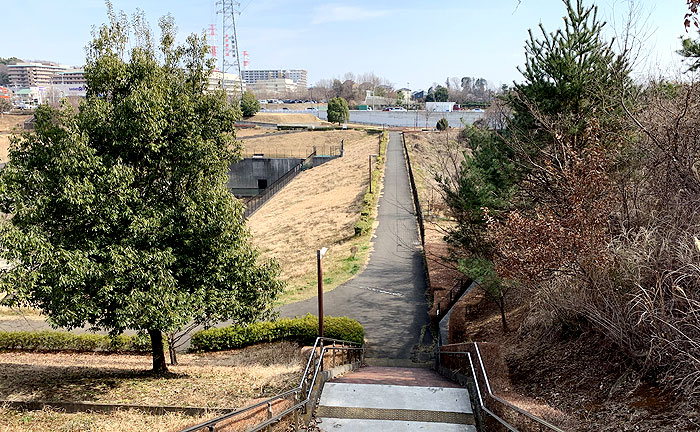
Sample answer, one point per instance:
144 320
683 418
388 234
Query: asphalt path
388 297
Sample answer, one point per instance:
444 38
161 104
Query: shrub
63 341
442 124
303 330
249 104
338 111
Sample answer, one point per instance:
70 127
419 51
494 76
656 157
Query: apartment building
273 87
298 76
232 83
73 77
25 75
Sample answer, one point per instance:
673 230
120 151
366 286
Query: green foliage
249 104
439 94
303 330
64 341
486 181
369 202
121 217
5 106
4 77
571 74
442 124
691 51
338 111
9 60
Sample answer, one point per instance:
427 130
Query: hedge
303 330
63 341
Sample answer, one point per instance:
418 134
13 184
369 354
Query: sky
411 43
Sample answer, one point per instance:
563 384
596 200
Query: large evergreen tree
120 214
338 111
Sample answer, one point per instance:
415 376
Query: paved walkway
388 297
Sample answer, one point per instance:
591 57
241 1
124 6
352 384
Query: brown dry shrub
620 254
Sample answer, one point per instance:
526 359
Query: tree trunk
502 307
157 351
171 351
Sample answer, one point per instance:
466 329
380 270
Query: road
388 297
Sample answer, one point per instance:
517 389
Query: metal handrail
257 201
210 425
493 396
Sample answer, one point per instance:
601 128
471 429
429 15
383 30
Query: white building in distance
25 75
298 76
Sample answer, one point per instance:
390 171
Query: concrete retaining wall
244 175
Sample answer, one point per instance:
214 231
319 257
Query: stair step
406 363
396 397
364 425
422 416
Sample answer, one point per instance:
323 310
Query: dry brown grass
318 208
301 143
430 154
9 123
245 132
56 421
283 118
224 379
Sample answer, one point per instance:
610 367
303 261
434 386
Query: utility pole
229 40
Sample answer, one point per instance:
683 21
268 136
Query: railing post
269 416
296 411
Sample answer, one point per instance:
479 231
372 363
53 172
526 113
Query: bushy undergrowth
588 196
303 330
64 341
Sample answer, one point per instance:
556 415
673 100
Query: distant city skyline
410 43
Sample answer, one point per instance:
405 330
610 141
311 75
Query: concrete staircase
393 399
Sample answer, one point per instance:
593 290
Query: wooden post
320 293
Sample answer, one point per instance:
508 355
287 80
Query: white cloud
328 14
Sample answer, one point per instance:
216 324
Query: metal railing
354 353
253 204
252 151
452 296
414 191
493 396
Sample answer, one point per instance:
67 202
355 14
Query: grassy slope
319 208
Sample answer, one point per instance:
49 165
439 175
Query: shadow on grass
71 383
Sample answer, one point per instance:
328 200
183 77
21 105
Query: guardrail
309 388
414 190
452 296
253 204
503 402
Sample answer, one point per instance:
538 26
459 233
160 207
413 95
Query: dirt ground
226 379
223 379
48 420
8 123
284 118
317 209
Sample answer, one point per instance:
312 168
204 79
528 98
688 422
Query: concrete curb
74 407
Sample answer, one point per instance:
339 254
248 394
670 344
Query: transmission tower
229 41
